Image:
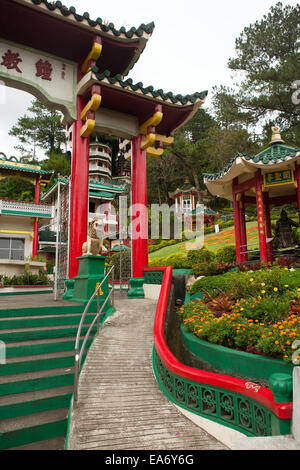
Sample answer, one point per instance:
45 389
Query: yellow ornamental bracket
165 140
153 152
148 141
93 55
151 122
88 128
92 105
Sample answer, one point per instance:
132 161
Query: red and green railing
239 404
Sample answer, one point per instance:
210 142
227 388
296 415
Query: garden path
120 405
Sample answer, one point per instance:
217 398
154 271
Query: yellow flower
251 280
275 289
262 284
263 291
286 285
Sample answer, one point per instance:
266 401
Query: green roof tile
140 87
65 11
273 154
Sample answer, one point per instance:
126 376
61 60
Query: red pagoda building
77 64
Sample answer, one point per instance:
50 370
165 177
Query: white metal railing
23 206
79 352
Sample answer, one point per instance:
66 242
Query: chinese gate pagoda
78 65
270 178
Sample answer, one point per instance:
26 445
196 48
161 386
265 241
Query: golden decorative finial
276 137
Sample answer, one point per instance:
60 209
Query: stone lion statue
94 244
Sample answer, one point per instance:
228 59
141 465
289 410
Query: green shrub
226 254
177 261
223 281
157 262
26 279
200 256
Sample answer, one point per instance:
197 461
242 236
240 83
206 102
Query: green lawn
212 241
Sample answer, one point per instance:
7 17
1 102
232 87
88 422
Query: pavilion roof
277 156
99 190
74 33
139 100
13 166
187 187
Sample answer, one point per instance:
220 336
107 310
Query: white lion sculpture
94 244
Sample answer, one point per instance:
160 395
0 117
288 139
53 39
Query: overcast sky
187 52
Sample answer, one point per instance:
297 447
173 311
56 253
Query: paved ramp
120 405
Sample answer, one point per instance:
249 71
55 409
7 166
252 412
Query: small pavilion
270 178
186 202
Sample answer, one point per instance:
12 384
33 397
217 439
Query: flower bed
256 312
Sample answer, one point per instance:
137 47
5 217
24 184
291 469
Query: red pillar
243 229
36 220
37 190
261 217
297 179
139 201
268 228
79 192
237 223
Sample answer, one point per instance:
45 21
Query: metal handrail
79 352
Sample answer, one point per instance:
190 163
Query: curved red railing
262 395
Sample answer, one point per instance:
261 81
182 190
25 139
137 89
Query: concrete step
46 310
29 406
33 428
37 347
57 443
27 334
49 320
49 361
38 380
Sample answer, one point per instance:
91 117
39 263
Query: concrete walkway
120 405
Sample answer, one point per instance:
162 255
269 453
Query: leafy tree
268 59
190 147
162 176
60 163
16 189
42 129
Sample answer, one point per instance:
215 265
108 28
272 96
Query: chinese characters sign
275 178
40 74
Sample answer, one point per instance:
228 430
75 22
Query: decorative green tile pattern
65 11
25 169
273 154
160 94
223 406
153 277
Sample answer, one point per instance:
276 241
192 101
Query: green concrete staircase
36 382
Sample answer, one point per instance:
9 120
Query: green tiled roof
103 194
25 169
273 154
65 11
175 99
